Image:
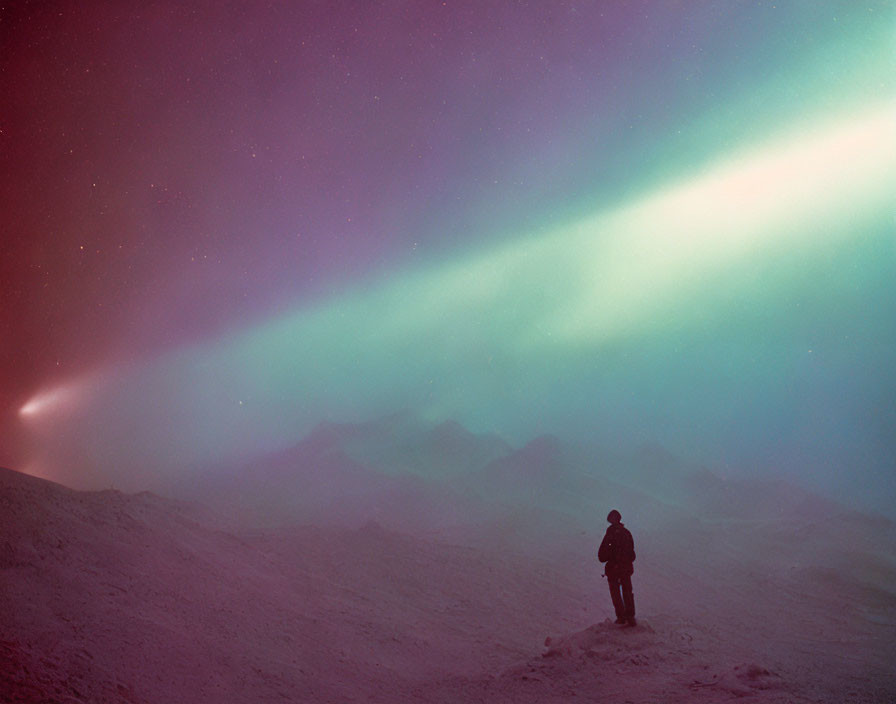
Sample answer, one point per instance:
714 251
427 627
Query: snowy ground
110 597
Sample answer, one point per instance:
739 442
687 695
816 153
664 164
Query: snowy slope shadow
606 662
631 652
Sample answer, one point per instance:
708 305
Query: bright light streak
39 403
536 298
52 400
785 195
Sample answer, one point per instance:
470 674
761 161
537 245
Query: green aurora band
739 311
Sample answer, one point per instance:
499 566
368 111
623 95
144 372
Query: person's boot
620 620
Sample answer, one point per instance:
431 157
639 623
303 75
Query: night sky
617 222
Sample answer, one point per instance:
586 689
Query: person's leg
628 598
616 596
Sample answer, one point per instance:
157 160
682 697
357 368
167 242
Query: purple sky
175 172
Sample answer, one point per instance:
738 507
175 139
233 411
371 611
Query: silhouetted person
618 550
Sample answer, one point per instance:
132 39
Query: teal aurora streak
737 305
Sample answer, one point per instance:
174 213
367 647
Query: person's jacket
617 549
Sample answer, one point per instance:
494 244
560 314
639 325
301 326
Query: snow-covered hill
476 585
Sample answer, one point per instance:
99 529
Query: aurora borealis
614 222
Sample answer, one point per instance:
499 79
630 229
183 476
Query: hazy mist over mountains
396 561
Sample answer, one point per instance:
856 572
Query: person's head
614 516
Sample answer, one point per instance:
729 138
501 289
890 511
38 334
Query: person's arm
603 552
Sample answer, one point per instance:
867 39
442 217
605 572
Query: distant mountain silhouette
336 475
414 448
543 475
538 464
402 472
713 496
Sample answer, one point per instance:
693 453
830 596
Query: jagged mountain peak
545 446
